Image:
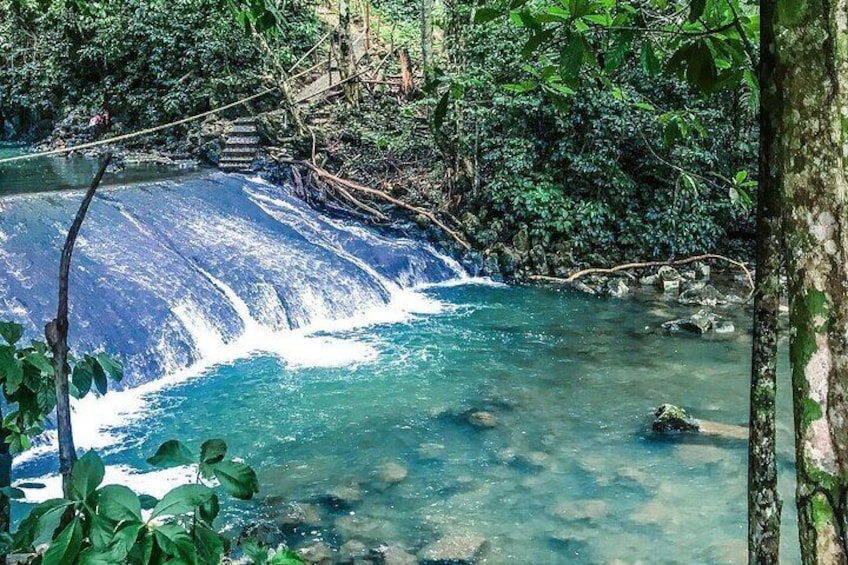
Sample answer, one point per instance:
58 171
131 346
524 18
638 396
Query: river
334 358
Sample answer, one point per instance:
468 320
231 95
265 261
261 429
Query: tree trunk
427 40
764 503
5 481
346 55
56 333
813 77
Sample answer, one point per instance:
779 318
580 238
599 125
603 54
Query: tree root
345 186
646 265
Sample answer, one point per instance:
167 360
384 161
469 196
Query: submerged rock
668 279
703 322
295 514
670 418
394 555
343 496
316 553
393 473
481 419
579 510
353 551
366 528
616 288
456 549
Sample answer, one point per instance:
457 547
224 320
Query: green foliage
107 524
148 62
26 379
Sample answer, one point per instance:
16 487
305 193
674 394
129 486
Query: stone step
243 140
244 129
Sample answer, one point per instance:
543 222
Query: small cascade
168 275
241 147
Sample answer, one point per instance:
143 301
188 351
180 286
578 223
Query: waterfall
173 274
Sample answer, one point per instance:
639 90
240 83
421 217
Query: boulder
508 261
455 549
670 418
668 279
616 288
521 241
491 266
703 322
702 295
365 528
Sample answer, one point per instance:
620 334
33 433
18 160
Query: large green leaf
210 546
483 15
701 70
571 59
32 527
176 542
82 377
650 61
118 503
182 500
87 475
64 549
213 450
441 111
111 366
40 362
239 479
11 369
172 453
11 332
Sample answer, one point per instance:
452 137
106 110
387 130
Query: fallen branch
338 181
646 265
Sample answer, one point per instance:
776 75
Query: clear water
63 173
381 369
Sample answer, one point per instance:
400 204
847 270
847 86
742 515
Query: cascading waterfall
169 275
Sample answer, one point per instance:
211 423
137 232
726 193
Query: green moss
810 411
821 511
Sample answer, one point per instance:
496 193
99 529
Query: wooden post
368 25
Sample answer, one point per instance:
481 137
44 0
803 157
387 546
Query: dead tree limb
56 333
646 265
330 177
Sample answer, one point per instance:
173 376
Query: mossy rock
669 418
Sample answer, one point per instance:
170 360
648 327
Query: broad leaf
64 549
239 479
176 542
484 15
172 453
11 332
441 111
118 503
111 366
650 62
571 59
147 502
182 500
87 475
213 450
82 377
11 368
38 519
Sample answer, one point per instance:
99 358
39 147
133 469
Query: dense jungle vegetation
647 168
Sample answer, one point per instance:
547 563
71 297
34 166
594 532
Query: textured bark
5 481
764 503
427 40
813 76
56 333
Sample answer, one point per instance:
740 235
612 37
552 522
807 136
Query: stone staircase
241 148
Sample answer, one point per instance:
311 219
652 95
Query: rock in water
668 279
457 549
701 323
393 473
616 288
481 419
394 555
316 553
670 418
705 295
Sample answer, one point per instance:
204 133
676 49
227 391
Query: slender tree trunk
56 333
346 54
5 481
813 76
764 503
427 40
